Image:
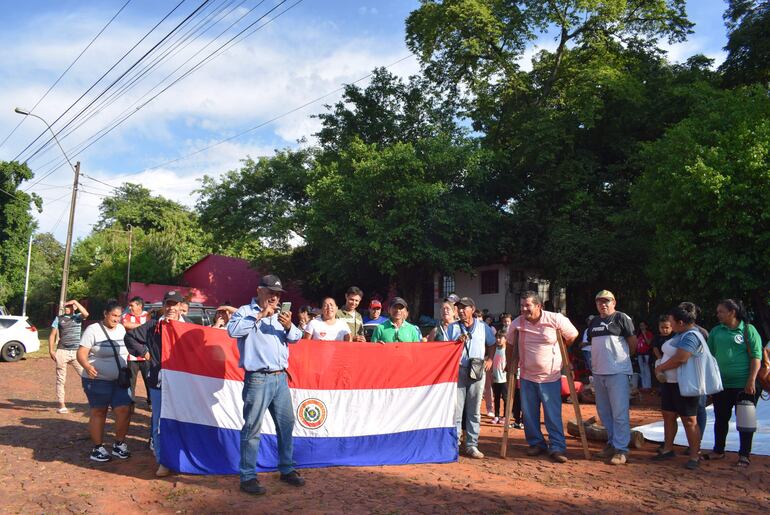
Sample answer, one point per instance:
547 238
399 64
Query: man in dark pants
146 341
263 332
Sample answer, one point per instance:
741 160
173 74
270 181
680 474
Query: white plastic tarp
760 445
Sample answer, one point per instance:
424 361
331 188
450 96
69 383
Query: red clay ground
44 468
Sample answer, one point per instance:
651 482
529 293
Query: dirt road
44 468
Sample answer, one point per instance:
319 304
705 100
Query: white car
17 337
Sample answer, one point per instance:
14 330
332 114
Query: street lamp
68 247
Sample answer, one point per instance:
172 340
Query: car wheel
12 351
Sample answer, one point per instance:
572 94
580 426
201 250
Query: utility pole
26 276
68 247
128 268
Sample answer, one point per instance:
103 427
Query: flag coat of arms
355 404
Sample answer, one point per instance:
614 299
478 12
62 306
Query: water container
745 416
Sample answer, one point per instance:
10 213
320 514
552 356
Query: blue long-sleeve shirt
263 344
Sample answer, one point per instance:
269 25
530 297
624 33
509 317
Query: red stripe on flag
204 351
317 365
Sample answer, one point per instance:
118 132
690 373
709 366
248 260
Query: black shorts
672 400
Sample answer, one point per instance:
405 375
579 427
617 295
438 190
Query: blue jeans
644 370
155 399
549 395
266 392
612 393
469 394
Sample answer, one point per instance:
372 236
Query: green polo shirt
387 332
728 347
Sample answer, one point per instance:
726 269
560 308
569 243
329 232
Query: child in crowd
499 377
500 383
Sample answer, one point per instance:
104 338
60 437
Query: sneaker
100 454
618 459
162 471
120 449
62 410
293 478
607 452
495 420
474 452
559 457
490 414
517 425
502 420
252 487
535 450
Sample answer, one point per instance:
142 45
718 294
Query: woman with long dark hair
737 347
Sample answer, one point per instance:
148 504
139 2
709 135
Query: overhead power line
267 122
221 49
112 84
100 78
142 74
66 70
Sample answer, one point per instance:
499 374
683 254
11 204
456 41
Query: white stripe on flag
217 402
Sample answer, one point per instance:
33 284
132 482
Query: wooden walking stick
513 365
573 395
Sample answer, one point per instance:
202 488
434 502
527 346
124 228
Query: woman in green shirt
737 347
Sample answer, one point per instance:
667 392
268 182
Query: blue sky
309 51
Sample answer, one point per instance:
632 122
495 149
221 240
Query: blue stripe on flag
199 449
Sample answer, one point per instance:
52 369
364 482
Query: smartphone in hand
285 307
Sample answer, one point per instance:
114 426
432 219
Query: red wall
224 278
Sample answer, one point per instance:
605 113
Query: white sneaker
62 410
490 414
474 452
162 471
495 420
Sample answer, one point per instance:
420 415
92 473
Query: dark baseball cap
466 301
271 282
397 301
173 295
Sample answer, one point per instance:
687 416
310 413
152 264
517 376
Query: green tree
16 225
255 212
167 239
748 43
704 193
405 210
46 263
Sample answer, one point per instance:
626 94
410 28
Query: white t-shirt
100 354
668 353
320 330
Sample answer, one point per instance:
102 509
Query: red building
216 280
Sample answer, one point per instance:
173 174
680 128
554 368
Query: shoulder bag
124 373
699 375
763 375
475 365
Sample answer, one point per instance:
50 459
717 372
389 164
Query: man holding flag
263 333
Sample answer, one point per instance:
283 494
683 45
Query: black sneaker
252 487
100 454
120 449
293 478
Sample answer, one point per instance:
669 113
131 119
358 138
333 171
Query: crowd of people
524 352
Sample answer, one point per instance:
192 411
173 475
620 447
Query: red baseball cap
375 304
